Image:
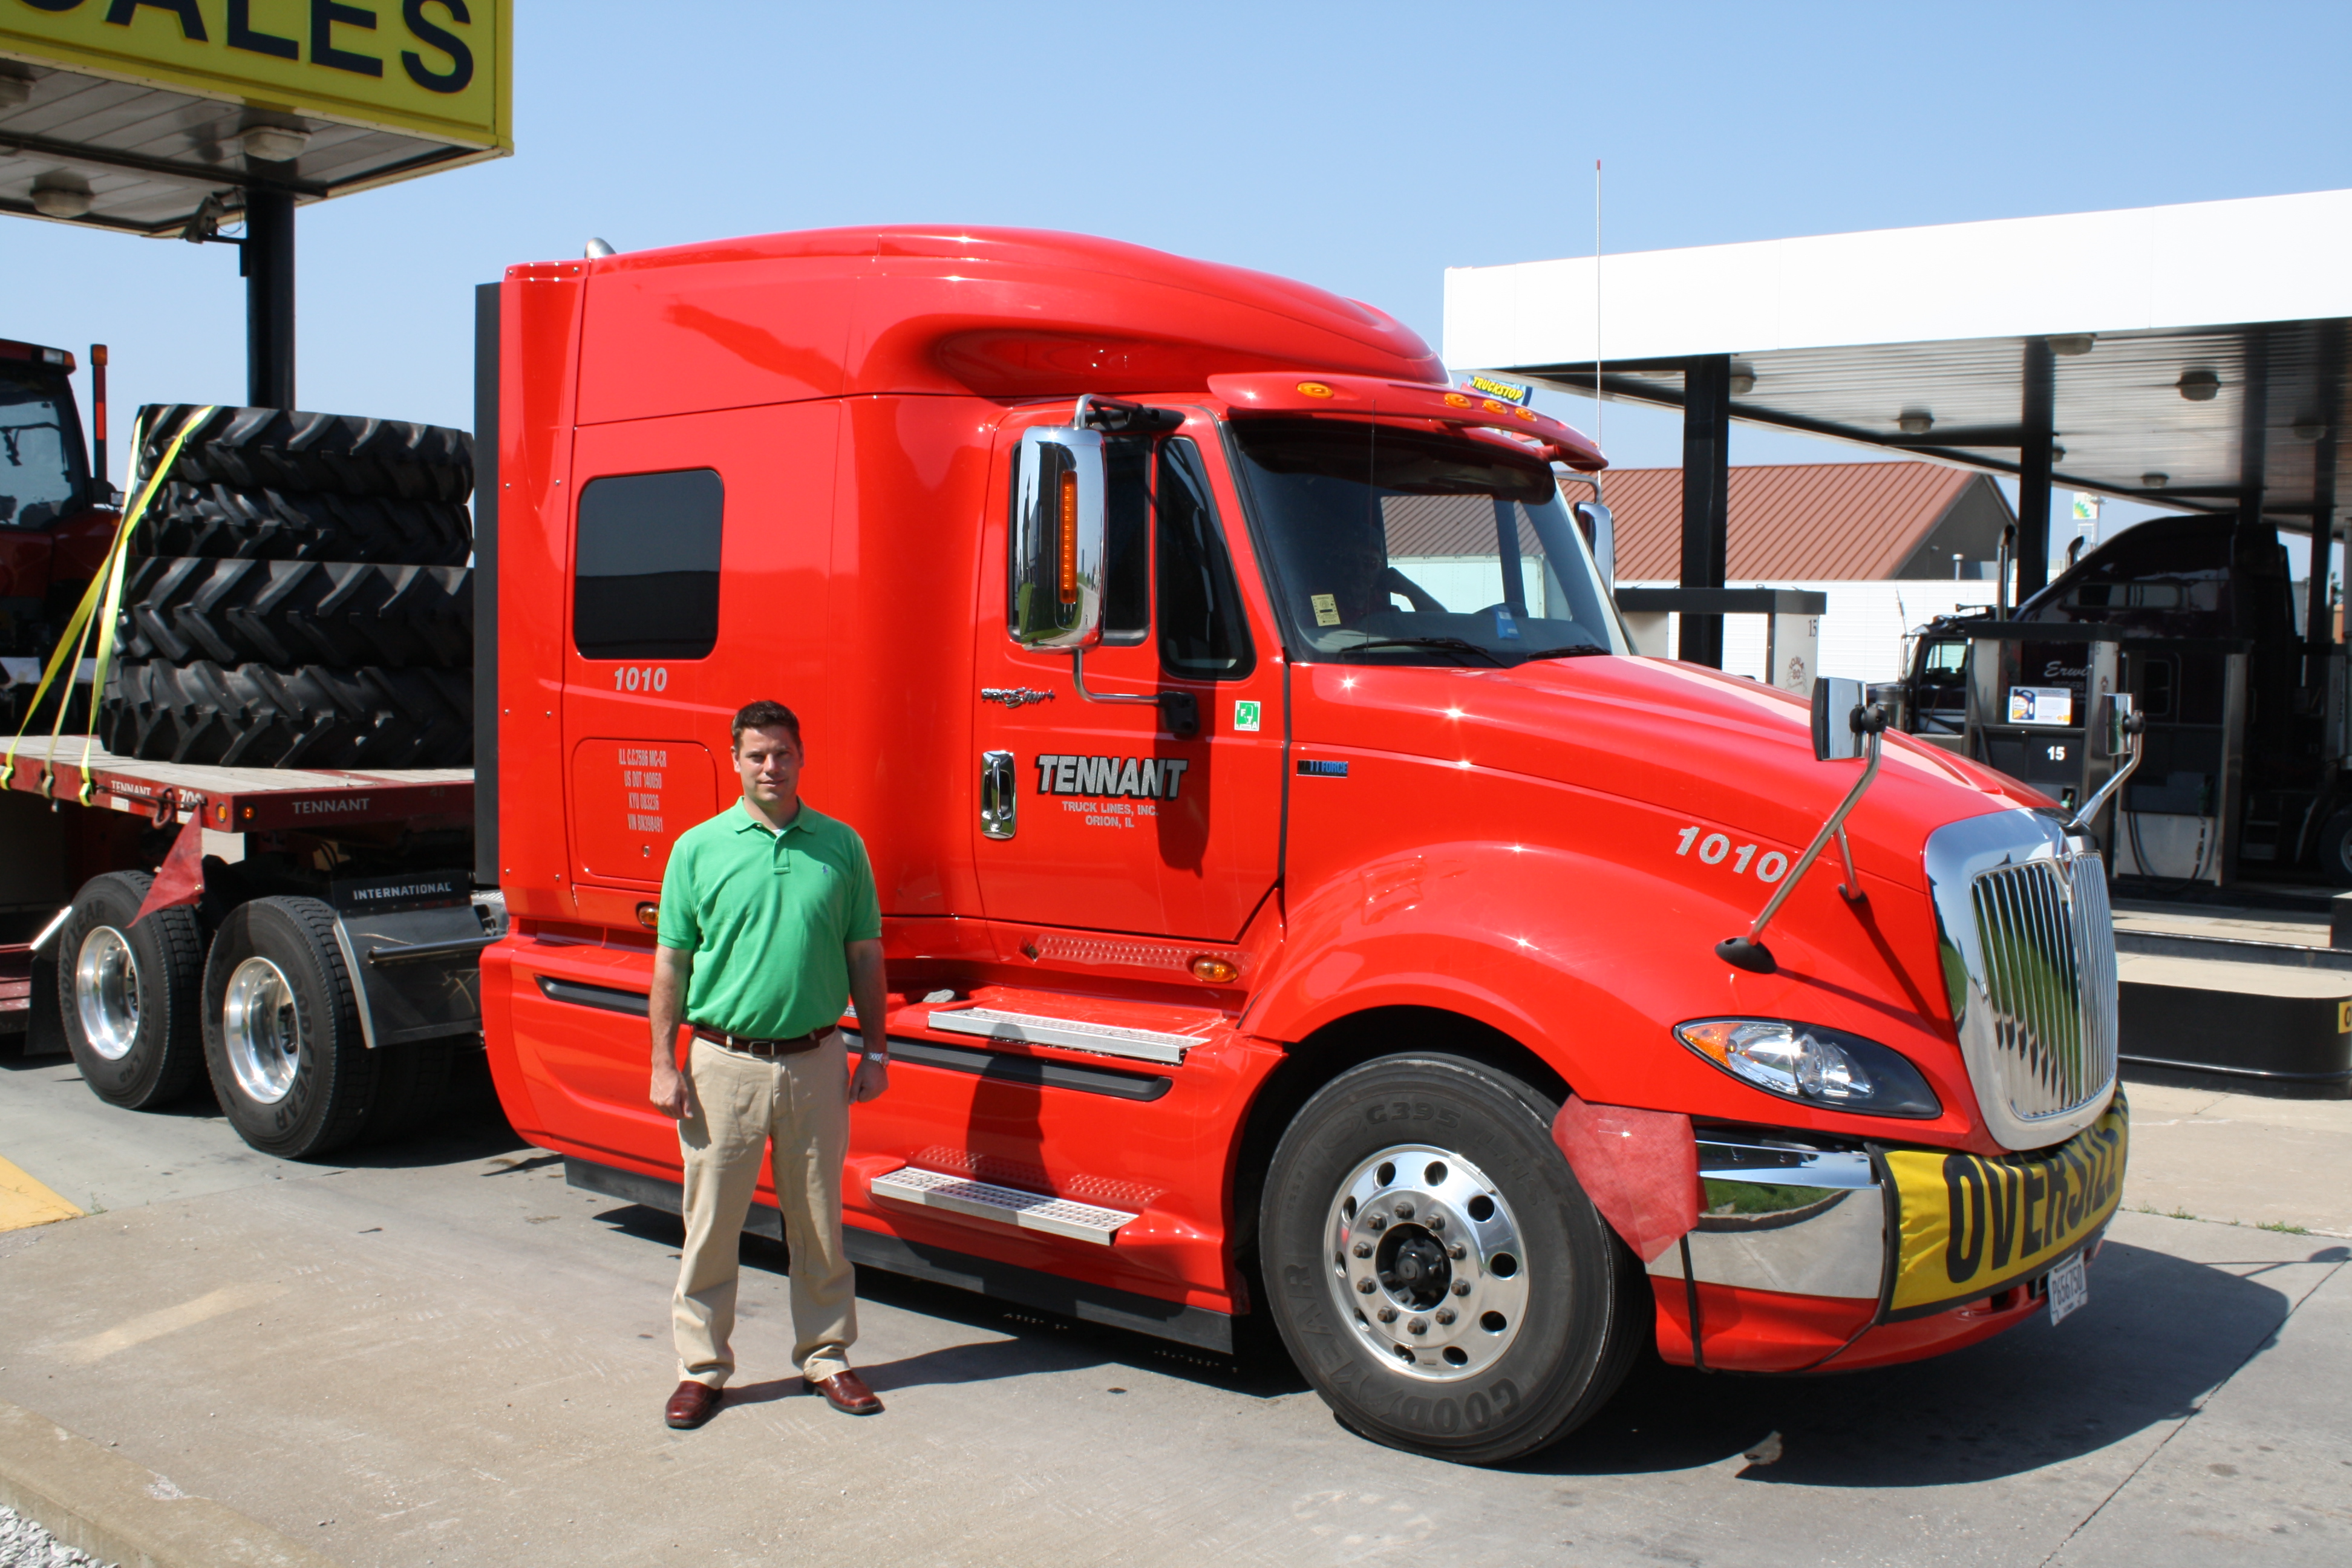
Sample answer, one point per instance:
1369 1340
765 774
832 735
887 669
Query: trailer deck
242 800
224 800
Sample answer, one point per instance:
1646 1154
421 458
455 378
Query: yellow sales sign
437 68
1971 1226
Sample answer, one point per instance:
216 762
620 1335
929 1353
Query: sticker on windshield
1506 624
1326 609
1244 714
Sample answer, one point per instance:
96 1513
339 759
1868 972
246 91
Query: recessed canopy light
274 143
16 91
2308 429
2071 345
1915 422
2200 386
60 195
1743 379
2154 481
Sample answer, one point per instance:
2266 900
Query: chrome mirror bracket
1749 951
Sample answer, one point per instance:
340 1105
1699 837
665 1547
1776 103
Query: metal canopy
2189 356
1845 334
150 157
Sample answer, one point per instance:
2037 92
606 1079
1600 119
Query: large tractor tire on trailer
289 613
128 991
252 715
1435 1270
344 454
259 524
282 1030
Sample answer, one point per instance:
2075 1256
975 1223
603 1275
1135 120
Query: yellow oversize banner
439 69
1972 1225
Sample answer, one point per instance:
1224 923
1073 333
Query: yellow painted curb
24 1202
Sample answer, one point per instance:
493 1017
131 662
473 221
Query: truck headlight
1813 1066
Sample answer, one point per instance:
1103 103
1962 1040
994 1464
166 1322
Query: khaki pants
739 1105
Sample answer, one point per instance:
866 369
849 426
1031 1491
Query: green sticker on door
1244 714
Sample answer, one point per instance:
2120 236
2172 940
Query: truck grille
2030 961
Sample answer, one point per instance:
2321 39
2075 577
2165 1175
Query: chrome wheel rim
106 992
1425 1261
263 1033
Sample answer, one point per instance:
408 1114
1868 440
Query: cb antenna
1600 409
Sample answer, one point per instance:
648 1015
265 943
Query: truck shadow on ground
2158 1333
1036 1341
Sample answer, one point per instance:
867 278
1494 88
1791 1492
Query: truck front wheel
128 991
282 1030
1435 1270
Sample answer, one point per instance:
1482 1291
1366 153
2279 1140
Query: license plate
2069 1288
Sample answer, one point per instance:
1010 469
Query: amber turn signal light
649 915
1068 518
1216 971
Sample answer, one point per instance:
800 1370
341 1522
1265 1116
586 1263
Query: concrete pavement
441 1353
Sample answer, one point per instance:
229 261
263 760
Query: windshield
40 447
1397 546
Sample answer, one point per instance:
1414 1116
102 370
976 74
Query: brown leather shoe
846 1392
691 1406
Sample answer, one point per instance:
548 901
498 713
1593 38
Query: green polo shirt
765 915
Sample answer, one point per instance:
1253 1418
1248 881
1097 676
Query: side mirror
1601 534
1057 538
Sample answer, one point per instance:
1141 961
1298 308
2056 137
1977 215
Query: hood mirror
2114 736
1849 719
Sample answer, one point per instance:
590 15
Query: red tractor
56 515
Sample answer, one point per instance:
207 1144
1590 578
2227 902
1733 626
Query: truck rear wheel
1435 1270
282 1030
127 992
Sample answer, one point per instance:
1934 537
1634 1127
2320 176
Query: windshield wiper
1455 645
1572 650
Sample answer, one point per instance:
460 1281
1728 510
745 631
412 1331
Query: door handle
1000 800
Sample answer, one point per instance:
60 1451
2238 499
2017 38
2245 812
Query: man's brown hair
764 715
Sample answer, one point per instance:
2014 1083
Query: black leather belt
791 1047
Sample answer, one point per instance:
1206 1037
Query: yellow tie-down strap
1972 1226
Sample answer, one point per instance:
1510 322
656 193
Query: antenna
1600 409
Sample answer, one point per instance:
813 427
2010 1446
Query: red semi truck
1301 904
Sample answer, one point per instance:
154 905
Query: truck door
1100 817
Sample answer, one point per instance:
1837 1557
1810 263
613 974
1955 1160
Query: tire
186 609
282 1030
1555 1308
409 1082
344 454
2336 849
256 716
229 522
128 994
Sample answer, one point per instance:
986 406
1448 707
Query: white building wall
1862 632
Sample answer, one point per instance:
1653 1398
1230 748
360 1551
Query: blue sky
1363 147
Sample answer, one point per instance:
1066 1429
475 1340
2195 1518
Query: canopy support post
2037 433
268 255
1707 498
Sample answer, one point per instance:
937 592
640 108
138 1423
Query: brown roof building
1813 522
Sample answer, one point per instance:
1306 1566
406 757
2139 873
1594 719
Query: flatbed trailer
378 862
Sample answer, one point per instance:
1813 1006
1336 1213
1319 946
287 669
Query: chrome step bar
993 1204
1072 1033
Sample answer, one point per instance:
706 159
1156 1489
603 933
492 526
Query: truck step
1074 1034
993 1204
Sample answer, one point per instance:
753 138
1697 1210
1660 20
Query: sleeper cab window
644 566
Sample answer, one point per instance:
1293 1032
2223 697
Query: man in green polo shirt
769 924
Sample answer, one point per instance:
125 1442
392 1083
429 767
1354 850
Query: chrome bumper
1787 1217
